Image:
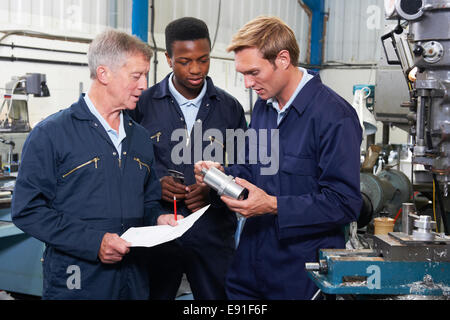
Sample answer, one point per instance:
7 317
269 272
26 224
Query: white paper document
154 235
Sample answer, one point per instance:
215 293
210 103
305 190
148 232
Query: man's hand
172 188
204 164
257 203
197 197
113 248
169 219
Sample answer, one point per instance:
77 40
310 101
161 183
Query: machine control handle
312 266
418 51
321 266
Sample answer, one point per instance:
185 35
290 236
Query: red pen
175 207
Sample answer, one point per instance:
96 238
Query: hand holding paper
154 235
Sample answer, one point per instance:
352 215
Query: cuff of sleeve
95 238
284 210
288 218
215 200
152 214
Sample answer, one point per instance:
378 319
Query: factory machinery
20 254
412 260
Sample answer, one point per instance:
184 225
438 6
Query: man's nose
248 82
143 82
194 68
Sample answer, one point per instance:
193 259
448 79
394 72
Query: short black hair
185 29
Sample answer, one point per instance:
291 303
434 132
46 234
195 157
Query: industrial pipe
317 30
139 23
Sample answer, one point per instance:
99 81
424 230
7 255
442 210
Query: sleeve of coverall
34 192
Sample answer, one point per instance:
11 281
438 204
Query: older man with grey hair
87 176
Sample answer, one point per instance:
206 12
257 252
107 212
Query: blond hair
112 47
269 35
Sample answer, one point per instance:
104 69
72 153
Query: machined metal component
223 184
419 149
424 226
407 223
320 266
398 246
433 51
312 266
409 9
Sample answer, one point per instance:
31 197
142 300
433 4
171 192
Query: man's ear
103 74
169 60
283 59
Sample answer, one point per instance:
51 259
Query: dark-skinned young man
187 101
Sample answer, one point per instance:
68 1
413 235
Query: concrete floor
184 292
5 296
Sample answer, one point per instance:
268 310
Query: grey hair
112 47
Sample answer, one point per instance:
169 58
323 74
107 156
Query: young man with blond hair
315 193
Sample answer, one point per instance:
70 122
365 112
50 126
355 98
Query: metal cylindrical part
407 222
420 131
424 222
424 225
321 266
312 266
223 184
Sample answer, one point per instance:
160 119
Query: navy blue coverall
72 188
317 190
204 252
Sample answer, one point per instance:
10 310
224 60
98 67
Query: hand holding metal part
257 203
212 174
241 197
223 184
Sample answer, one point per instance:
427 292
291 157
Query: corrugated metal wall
233 15
89 17
82 17
353 31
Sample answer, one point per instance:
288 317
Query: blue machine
397 265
